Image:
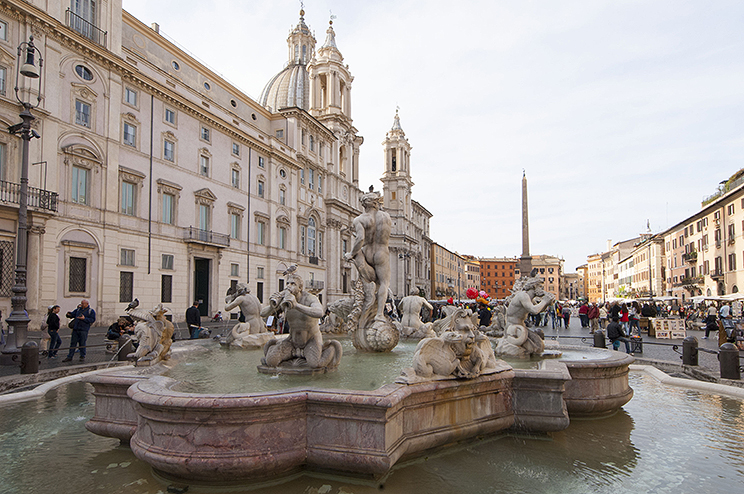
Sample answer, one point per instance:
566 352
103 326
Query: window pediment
170 135
261 215
83 91
235 208
131 175
205 152
168 187
205 196
130 117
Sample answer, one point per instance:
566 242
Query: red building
497 275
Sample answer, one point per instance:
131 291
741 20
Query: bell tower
396 179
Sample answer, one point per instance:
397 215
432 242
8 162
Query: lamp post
26 67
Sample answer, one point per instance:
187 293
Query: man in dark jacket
615 333
193 320
82 318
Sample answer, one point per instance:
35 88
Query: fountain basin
250 436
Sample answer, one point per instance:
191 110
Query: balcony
314 285
716 274
197 236
690 257
10 193
692 280
85 28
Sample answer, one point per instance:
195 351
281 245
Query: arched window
304 53
311 233
735 289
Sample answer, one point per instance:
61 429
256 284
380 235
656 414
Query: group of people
81 318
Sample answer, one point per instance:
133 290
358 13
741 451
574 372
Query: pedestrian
583 310
193 320
551 313
82 318
593 315
625 318
52 322
634 313
484 315
616 334
566 312
725 311
711 324
602 316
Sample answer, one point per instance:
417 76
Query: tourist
52 322
616 333
82 318
484 315
592 315
193 320
711 324
648 310
551 313
614 310
602 316
583 315
123 325
566 313
633 317
725 311
625 317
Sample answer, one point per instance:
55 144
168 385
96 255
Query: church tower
396 180
330 103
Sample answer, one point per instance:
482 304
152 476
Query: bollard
728 357
125 348
599 339
30 358
690 351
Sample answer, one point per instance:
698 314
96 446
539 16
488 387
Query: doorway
201 284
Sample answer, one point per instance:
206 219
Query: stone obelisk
525 262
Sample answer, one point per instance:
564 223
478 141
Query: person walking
593 315
566 312
711 324
193 320
625 318
602 316
52 321
82 318
583 315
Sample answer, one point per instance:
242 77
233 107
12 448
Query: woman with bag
52 322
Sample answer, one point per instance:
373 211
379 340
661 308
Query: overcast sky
619 111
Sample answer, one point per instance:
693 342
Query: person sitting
616 334
123 325
217 317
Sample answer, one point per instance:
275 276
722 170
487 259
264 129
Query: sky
620 112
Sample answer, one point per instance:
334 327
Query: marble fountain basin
258 435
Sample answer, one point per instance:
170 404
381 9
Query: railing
716 273
37 198
723 190
85 28
692 280
314 284
690 256
192 234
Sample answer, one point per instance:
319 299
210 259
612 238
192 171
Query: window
260 188
234 269
311 237
303 137
127 257
85 20
302 176
282 237
280 134
170 116
234 226
320 244
130 134
204 217
3 162
78 274
130 96
320 184
175 65
344 246
204 165
236 149
204 135
167 261
312 143
282 173
84 72
235 178
732 262
259 272
82 113
302 239
320 149
261 163
311 178
207 86
166 288
3 79
282 197
126 286
169 150
261 233
79 192
730 209
169 200
127 198
732 231
3 31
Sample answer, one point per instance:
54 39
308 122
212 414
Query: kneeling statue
252 333
303 351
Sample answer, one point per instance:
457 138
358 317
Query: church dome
291 86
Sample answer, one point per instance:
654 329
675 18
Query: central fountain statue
528 297
304 351
372 330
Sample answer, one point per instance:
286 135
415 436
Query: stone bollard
690 351
728 357
30 358
599 339
125 348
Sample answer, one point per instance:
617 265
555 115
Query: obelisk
525 262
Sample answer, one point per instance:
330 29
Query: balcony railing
37 198
195 235
692 280
716 273
690 256
85 28
314 284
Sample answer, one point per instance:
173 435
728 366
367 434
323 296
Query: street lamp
26 67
